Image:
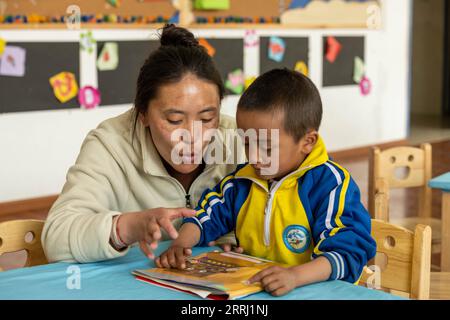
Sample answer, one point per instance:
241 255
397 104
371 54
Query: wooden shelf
273 26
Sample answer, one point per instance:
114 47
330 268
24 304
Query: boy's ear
309 141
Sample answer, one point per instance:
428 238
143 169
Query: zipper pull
188 201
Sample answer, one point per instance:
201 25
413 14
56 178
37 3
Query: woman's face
178 119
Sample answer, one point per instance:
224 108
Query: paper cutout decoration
109 57
87 41
89 97
333 49
299 4
251 39
209 48
12 62
365 86
249 81
235 82
114 3
64 86
301 67
277 48
359 70
175 18
212 4
2 46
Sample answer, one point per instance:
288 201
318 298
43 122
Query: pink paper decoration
89 97
366 86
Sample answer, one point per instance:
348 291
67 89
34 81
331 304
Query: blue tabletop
113 280
442 182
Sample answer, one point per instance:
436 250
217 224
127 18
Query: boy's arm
215 213
279 280
180 249
188 236
214 218
341 229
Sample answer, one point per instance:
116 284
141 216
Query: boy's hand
227 247
174 257
276 280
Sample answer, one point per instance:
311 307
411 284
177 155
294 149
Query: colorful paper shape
235 82
277 48
89 97
109 57
298 4
301 67
334 48
365 86
114 3
249 81
2 46
359 70
64 86
175 18
251 39
209 48
12 61
212 4
87 41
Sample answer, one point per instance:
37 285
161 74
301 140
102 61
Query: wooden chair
382 178
17 235
407 259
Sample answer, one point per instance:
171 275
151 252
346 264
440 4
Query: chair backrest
418 164
18 235
403 258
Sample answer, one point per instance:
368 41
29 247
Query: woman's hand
145 226
174 257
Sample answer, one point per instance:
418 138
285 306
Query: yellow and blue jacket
313 211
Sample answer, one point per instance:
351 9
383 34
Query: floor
403 202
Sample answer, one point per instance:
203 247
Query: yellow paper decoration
65 86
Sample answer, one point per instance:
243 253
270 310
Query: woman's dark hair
179 54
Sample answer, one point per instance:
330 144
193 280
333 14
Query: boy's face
275 153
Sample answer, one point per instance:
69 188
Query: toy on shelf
132 19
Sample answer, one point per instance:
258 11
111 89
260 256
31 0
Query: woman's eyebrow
208 110
170 111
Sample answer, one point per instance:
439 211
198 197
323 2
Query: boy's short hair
288 91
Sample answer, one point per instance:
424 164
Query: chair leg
445 242
425 203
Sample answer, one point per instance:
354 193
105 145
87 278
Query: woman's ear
142 119
309 141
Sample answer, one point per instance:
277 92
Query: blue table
443 183
113 280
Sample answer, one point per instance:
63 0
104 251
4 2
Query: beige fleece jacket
112 176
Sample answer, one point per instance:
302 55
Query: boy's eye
207 120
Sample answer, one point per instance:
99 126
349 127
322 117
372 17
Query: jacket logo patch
296 238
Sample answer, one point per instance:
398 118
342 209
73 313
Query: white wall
37 148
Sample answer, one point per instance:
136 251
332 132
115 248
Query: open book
213 275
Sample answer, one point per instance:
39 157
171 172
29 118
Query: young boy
306 214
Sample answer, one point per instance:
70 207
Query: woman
126 186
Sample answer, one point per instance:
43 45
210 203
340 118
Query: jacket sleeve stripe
213 193
218 200
342 195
